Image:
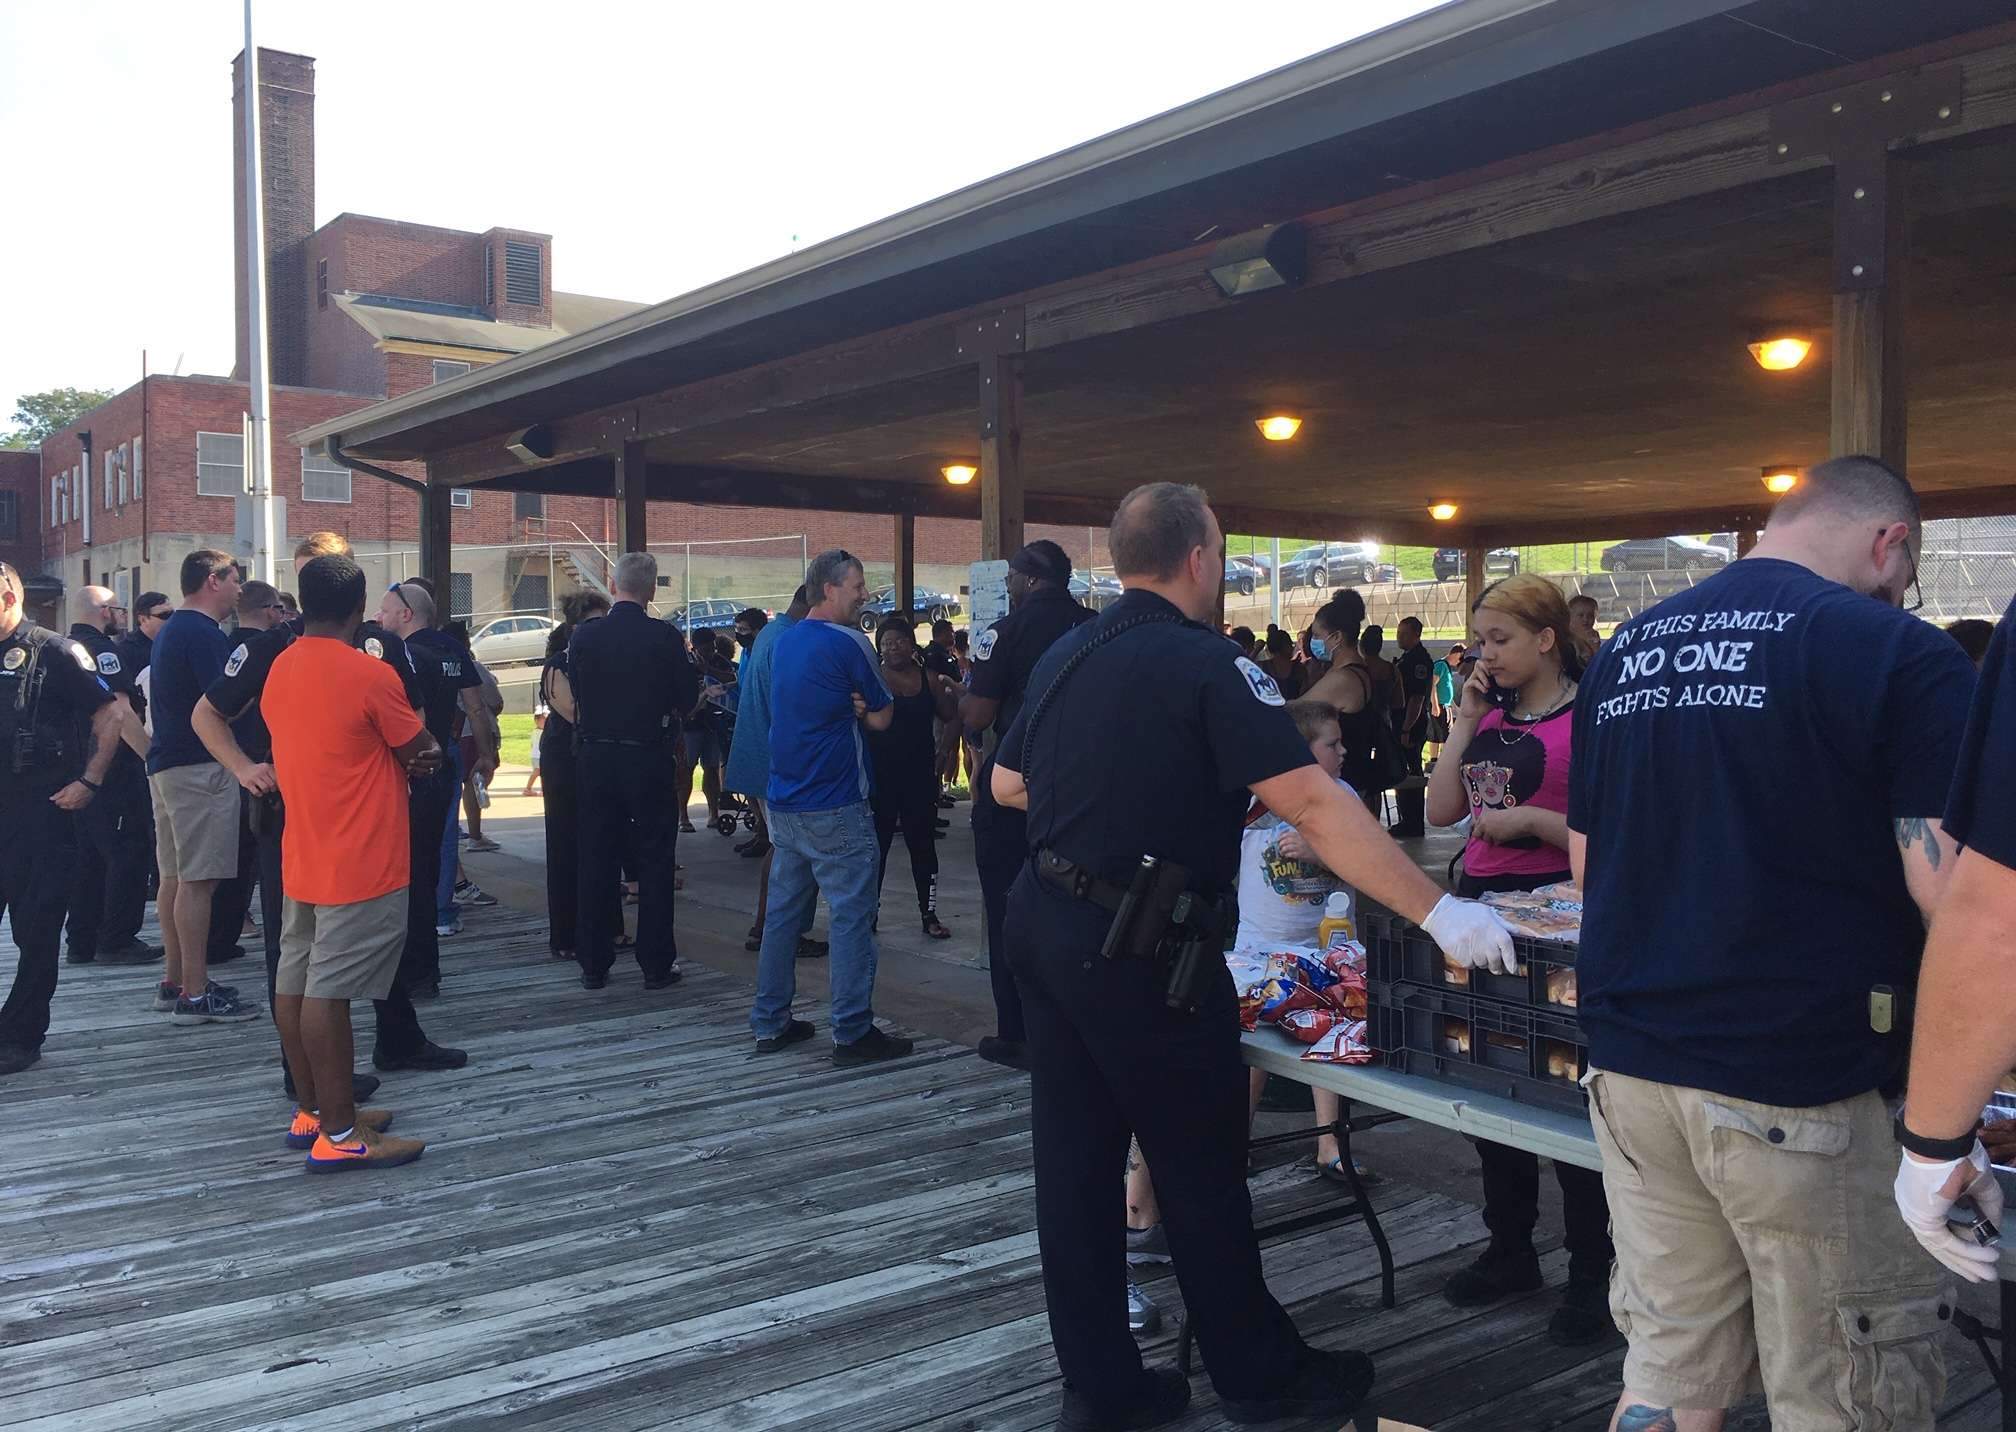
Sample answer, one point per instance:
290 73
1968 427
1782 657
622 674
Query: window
446 368
137 474
489 276
10 517
321 283
111 476
55 499
528 504
220 464
125 473
323 479
523 279
461 497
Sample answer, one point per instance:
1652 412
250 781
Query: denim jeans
833 851
444 888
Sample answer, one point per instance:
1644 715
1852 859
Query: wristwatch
1927 1148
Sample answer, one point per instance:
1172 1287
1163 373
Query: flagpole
258 447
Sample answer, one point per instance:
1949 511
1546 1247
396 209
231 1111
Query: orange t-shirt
336 715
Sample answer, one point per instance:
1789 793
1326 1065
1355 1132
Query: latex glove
1472 935
1926 1193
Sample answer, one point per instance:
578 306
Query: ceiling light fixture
1442 511
959 473
1781 354
1274 257
1279 428
1780 478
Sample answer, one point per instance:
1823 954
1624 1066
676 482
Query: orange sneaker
301 1134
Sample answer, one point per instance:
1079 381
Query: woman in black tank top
906 763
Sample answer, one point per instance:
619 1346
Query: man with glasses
109 898
1761 765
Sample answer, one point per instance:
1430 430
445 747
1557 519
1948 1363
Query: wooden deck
624 1220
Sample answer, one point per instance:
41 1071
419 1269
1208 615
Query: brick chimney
287 167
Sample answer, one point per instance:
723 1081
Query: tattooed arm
1929 855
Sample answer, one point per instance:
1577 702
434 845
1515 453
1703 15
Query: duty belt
1078 882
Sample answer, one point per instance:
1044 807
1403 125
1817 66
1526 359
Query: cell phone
1504 698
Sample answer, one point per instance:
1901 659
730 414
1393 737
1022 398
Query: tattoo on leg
1640 1418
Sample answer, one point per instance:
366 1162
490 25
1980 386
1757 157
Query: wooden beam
1869 414
437 525
1474 559
1001 495
906 561
1624 525
632 490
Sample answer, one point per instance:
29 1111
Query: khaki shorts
195 822
1732 1217
342 951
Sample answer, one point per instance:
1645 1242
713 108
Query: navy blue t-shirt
1742 753
189 654
1978 812
818 754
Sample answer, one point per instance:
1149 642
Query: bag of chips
1309 1025
1343 1043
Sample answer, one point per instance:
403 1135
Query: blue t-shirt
818 756
1743 751
189 653
1978 812
748 769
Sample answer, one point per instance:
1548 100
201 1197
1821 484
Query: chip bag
1343 1043
1309 1025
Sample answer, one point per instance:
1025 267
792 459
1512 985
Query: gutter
333 446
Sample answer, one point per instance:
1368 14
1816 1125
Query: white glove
1926 1193
1472 935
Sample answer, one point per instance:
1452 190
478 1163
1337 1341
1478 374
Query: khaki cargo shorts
1758 1249
195 822
342 951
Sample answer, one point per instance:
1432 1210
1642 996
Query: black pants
559 777
1512 1209
1411 805
232 898
1109 1057
913 803
114 855
38 864
618 782
399 1030
1000 850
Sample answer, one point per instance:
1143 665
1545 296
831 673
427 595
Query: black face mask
745 640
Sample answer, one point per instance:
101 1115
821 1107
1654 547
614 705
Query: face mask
1319 648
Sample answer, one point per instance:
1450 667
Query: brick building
366 308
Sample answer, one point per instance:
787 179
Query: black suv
1449 562
1331 564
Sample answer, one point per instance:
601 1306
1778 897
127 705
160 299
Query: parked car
1239 577
925 603
512 638
1664 554
1095 592
1331 564
715 615
1503 561
1257 564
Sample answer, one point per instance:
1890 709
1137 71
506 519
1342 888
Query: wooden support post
1869 414
1000 456
437 525
906 564
631 533
1746 540
1473 580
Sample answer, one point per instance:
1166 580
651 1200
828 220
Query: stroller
721 702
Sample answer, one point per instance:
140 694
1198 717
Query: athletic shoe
1147 1245
872 1048
444 931
138 952
811 949
428 1058
365 1148
796 1032
482 843
1497 1273
1330 1385
14 1058
302 1133
470 893
1165 1394
165 996
1143 1316
216 1005
755 850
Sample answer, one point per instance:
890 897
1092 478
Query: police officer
1040 609
1142 734
114 853
59 730
633 684
136 654
226 719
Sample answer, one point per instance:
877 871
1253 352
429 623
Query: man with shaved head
114 853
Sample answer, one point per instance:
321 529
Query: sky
663 145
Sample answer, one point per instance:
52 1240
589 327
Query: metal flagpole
258 448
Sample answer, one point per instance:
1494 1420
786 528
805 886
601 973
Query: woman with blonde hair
1505 766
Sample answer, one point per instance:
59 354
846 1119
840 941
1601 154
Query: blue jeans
833 851
444 888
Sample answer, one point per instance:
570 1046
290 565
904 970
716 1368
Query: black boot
1583 1316
1499 1273
1164 1395
1330 1385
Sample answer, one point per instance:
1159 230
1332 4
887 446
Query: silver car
509 639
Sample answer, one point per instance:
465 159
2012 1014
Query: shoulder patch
16 658
108 663
236 662
1259 683
374 648
79 655
983 645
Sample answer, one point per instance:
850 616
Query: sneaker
427 1059
365 1148
139 952
1165 1395
216 1005
1330 1385
796 1032
470 893
16 1057
1010 1053
302 1133
1583 1316
1143 1316
1498 1273
483 843
1147 1245
165 996
811 949
872 1048
754 851
444 931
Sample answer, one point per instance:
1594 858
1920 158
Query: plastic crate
1532 1055
1397 951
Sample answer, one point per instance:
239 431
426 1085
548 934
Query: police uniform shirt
632 681
444 671
135 652
1150 746
236 692
1006 653
113 671
72 691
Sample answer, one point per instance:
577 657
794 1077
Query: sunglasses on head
393 590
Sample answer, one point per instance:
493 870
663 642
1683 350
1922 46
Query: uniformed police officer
1142 734
59 730
109 899
633 684
1040 609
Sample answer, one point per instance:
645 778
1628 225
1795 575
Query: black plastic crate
1399 951
1532 1055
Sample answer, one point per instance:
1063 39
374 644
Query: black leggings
913 802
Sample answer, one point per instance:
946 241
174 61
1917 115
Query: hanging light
1442 511
1780 478
959 473
1279 428
1781 354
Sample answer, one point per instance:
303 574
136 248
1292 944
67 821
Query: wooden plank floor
624 1220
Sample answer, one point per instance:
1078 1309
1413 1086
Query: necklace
1563 693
